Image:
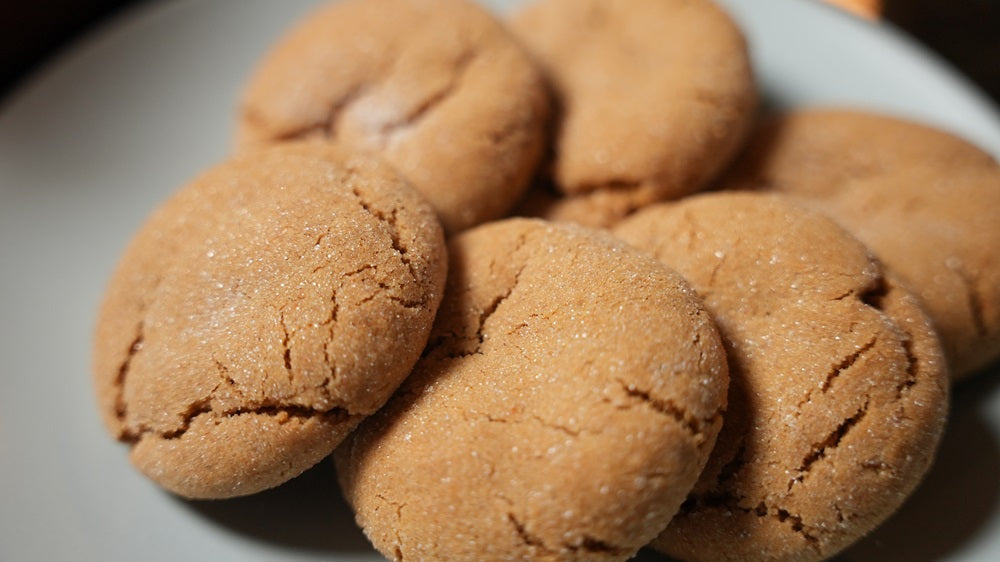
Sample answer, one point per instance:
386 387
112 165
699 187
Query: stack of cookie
467 257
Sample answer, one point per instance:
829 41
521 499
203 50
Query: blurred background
964 32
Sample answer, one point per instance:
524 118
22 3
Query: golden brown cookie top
294 283
655 95
925 201
437 87
567 399
838 387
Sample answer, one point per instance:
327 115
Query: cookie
261 312
601 209
838 389
654 96
568 398
925 201
438 88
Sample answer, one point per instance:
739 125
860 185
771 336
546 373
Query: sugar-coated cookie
568 398
261 312
438 88
926 202
654 97
838 390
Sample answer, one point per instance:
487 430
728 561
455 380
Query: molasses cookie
654 96
438 88
568 398
838 387
261 312
925 201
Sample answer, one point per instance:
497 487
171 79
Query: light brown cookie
438 88
261 312
838 388
655 97
568 398
600 209
925 201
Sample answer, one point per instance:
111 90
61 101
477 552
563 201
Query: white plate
91 144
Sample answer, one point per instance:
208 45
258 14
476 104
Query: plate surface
91 144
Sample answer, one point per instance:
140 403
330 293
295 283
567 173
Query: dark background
34 31
964 32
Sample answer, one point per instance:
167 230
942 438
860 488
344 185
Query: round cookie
655 98
926 202
838 390
261 312
438 88
569 396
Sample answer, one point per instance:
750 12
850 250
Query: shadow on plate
958 495
306 513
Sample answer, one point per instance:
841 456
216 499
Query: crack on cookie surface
121 407
723 496
875 294
526 537
729 470
492 307
585 544
390 130
329 126
455 344
285 343
847 362
664 406
223 374
820 449
398 509
331 325
471 416
729 502
282 413
556 426
796 523
452 343
391 222
490 292
912 366
711 499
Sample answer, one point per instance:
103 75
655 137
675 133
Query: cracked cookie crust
653 98
438 88
261 312
925 201
569 395
838 387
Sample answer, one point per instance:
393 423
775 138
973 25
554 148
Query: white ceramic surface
94 141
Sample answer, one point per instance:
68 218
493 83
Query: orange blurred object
871 9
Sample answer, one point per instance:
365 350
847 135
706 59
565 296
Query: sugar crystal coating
926 202
261 312
838 389
568 397
438 88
